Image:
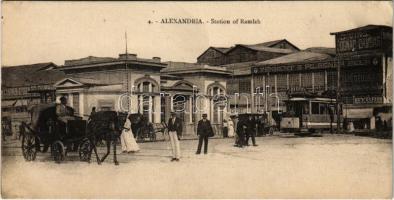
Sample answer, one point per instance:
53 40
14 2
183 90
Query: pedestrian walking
231 127
204 131
225 128
240 142
175 128
127 139
236 130
250 130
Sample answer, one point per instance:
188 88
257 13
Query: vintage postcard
196 100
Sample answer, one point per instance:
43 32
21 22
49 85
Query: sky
34 32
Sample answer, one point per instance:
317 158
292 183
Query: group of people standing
242 130
174 126
245 130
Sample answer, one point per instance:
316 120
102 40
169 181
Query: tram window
323 108
315 108
306 108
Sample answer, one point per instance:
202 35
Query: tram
309 114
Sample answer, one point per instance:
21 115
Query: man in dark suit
175 128
204 131
251 130
240 133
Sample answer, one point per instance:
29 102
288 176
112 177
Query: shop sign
368 100
358 41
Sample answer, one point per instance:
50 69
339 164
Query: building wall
212 57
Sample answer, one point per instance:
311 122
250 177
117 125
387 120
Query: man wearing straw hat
175 128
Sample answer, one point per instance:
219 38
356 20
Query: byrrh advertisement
196 100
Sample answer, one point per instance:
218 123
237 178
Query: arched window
218 102
146 89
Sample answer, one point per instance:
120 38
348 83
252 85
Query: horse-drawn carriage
46 130
143 129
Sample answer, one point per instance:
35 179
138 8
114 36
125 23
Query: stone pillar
252 91
211 113
150 103
150 107
141 99
70 100
171 103
300 79
81 105
191 109
157 109
313 82
287 81
325 80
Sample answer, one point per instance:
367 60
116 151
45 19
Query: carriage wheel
140 136
153 136
85 150
29 149
271 131
57 150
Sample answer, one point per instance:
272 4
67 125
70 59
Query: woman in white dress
230 124
127 140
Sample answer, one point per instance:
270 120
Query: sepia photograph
196 100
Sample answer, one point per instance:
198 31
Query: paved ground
282 166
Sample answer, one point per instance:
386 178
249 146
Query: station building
223 79
239 60
366 74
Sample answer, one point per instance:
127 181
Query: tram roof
320 99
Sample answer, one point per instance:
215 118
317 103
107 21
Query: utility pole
127 76
338 95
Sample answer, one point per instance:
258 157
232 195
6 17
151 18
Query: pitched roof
364 28
271 43
222 49
27 75
302 56
265 46
326 50
184 67
259 47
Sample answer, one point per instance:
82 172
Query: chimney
130 56
156 59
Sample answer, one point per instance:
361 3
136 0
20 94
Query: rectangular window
244 85
331 80
306 80
315 108
271 82
319 80
76 103
294 80
281 82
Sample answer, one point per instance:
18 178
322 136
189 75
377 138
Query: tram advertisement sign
368 100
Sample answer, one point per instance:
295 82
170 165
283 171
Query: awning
8 103
359 113
21 102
